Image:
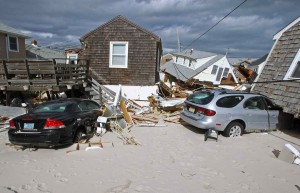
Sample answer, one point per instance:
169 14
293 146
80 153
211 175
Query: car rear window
54 107
229 101
201 98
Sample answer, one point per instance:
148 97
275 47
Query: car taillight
206 112
12 124
53 124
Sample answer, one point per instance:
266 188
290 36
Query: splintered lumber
125 112
139 118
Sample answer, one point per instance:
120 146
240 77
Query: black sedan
55 123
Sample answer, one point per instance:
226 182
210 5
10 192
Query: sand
170 159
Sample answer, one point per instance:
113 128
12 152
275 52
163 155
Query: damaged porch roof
185 73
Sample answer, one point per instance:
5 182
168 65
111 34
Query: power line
215 24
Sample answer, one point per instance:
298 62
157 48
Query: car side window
255 103
88 106
92 105
229 101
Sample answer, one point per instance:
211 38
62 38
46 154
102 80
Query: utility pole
178 41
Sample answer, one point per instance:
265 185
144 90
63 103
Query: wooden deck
42 75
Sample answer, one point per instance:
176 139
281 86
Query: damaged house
202 66
12 43
281 73
122 52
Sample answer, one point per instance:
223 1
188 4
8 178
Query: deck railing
34 74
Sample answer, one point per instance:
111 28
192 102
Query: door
255 114
273 111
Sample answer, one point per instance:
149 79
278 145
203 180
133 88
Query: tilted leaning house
122 52
281 74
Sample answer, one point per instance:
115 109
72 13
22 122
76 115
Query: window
296 73
229 101
88 106
294 70
225 73
118 55
214 70
255 103
220 72
13 44
72 58
201 98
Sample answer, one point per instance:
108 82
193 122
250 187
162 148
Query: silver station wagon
233 112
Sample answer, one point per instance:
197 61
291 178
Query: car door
273 111
255 114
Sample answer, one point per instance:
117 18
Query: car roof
71 100
226 91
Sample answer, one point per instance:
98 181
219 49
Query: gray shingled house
283 65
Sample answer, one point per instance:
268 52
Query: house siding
2 46
21 54
142 54
285 94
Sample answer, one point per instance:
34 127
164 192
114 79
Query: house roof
12 31
259 61
184 73
285 94
119 17
34 52
194 54
279 34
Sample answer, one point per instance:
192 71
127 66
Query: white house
200 65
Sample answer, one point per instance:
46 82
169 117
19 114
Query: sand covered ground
170 159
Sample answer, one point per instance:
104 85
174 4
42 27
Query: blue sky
247 32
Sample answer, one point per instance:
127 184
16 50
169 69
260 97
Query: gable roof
12 31
119 17
285 94
184 73
279 34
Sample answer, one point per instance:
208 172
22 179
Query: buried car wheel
78 135
234 129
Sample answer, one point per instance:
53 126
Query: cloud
38 34
247 31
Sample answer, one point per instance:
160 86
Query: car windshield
201 98
53 107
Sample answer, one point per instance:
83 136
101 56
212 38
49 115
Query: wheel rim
235 131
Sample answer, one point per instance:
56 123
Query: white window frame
71 57
17 40
292 67
112 43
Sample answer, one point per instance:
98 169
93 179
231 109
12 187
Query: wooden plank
125 112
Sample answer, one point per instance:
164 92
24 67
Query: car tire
78 135
234 129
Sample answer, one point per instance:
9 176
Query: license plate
192 109
29 126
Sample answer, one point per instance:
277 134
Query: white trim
279 34
112 43
292 67
75 57
17 40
